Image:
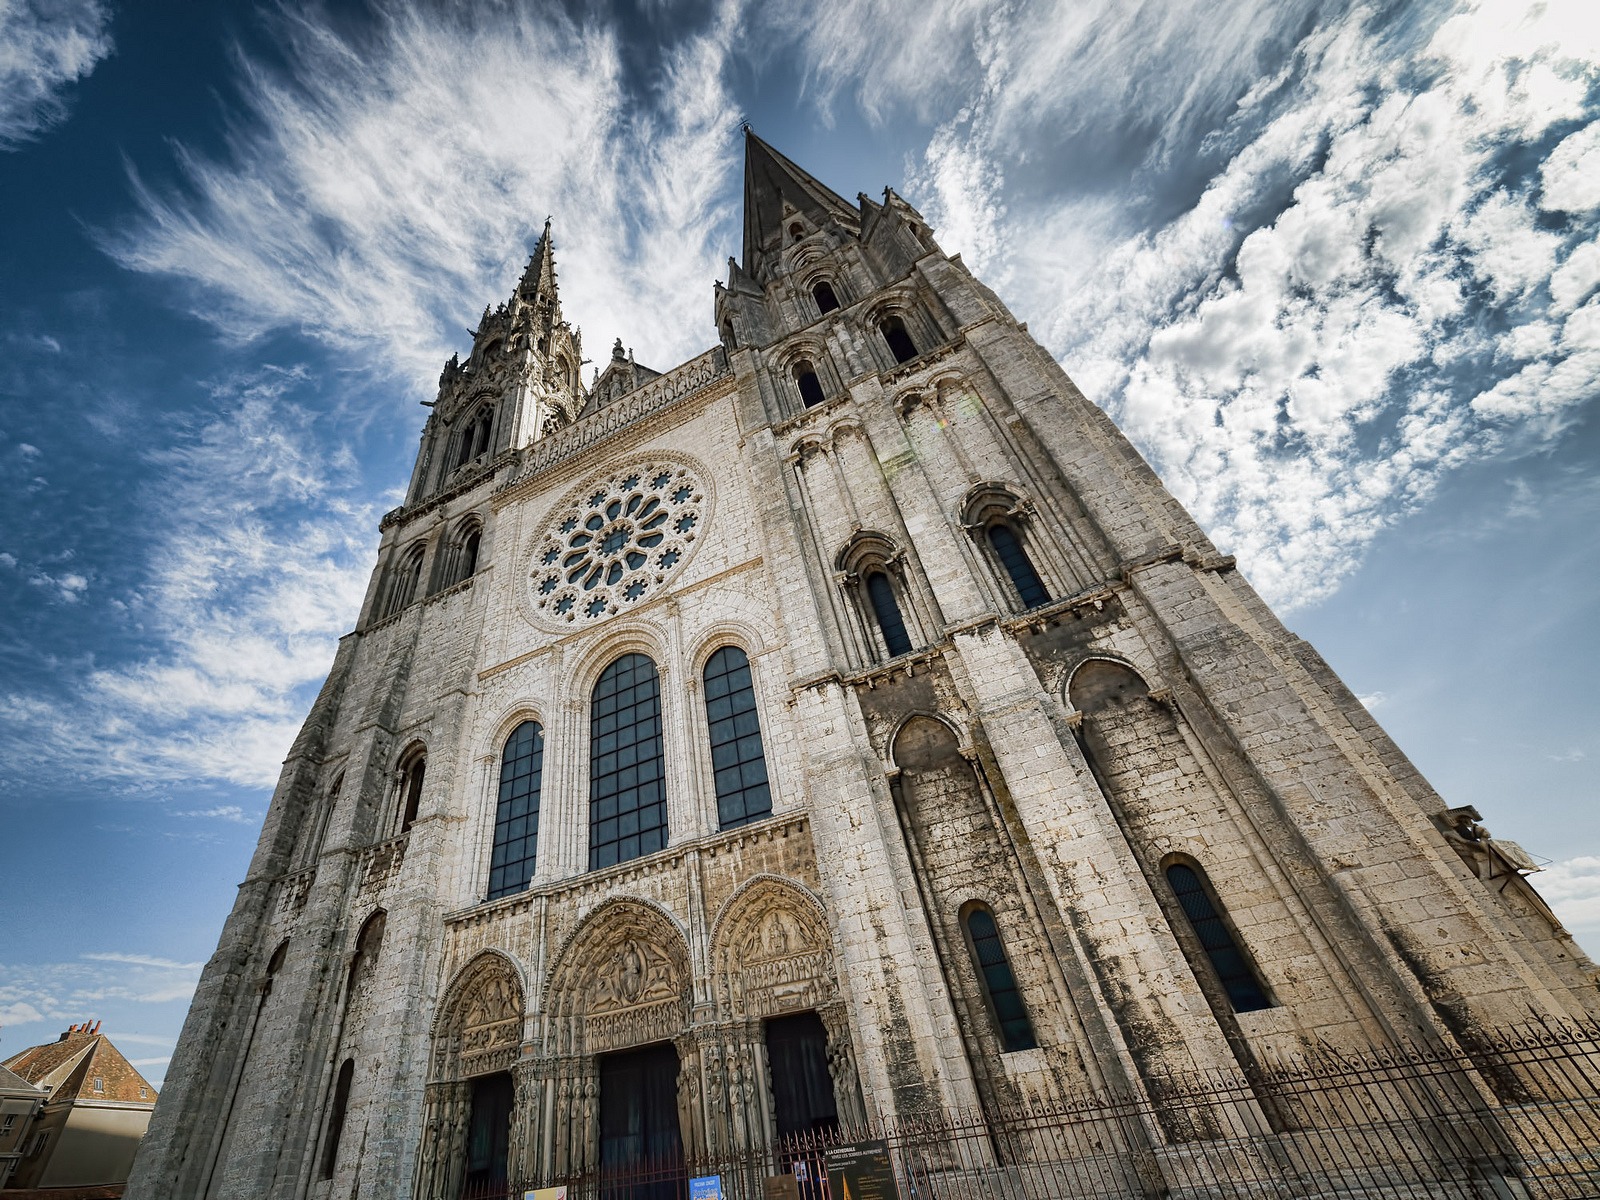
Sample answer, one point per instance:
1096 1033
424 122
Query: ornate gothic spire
539 278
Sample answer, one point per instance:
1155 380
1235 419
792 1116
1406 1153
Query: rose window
618 542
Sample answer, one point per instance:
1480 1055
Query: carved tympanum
771 952
623 980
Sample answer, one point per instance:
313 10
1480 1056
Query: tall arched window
412 770
627 770
468 565
737 758
805 378
899 340
341 1099
999 985
822 293
516 817
480 433
1008 549
1228 962
886 609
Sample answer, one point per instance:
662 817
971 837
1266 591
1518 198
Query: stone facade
1009 696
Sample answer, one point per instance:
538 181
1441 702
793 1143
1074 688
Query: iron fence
1510 1117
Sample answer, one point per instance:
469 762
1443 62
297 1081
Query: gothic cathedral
841 726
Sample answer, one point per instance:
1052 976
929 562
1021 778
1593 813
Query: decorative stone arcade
621 982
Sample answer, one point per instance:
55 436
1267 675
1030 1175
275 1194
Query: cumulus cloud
45 46
1370 291
378 189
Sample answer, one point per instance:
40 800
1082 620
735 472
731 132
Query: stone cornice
402 515
608 881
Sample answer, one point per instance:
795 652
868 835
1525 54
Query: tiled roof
10 1081
70 1066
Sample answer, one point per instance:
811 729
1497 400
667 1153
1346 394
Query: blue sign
707 1187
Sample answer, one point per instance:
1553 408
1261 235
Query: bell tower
520 382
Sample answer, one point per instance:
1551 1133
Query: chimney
96 1029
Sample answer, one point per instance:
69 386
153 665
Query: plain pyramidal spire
778 194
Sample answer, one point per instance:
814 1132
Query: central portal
641 1150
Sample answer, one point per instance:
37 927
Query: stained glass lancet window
627 775
994 971
737 758
887 611
1008 549
516 817
1232 968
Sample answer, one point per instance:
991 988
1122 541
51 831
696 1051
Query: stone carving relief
770 950
623 980
480 1024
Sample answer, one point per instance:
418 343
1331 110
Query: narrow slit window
738 760
1008 549
994 972
823 295
899 340
411 791
627 770
516 818
1232 968
469 554
341 1100
887 611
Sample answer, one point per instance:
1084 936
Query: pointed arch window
627 768
823 294
999 984
737 758
469 553
412 770
886 610
1204 914
898 339
516 817
805 378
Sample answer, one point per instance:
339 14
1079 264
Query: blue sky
1333 267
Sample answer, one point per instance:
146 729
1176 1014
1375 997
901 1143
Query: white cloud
74 991
1298 349
144 960
45 45
1570 177
19 1013
380 192
261 565
1572 889
223 812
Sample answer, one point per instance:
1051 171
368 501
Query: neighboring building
842 725
94 1111
20 1102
